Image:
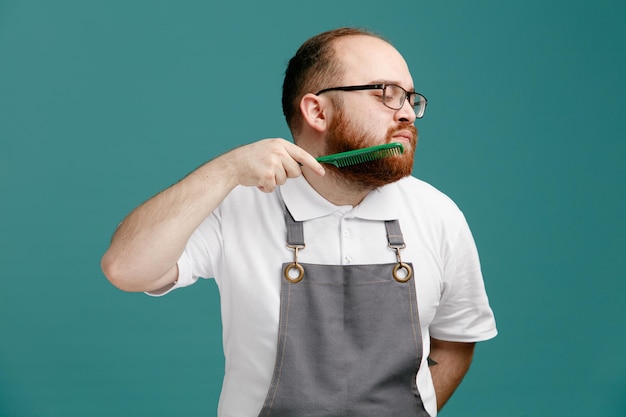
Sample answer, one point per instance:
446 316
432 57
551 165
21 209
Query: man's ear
314 111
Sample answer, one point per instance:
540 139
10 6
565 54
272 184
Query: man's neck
335 189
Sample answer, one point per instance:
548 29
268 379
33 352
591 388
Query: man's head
345 120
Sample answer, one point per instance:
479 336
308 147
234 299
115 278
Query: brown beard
343 136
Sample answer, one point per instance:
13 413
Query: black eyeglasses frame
419 104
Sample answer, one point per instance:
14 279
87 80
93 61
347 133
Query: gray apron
349 340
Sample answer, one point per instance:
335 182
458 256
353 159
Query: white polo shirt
242 245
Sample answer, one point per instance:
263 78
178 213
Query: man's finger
305 159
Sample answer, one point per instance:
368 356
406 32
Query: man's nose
406 113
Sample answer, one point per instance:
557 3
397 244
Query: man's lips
403 136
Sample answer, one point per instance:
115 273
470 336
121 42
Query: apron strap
295 231
402 272
394 234
294 272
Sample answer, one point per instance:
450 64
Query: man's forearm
450 362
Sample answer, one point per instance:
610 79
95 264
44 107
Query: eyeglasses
393 96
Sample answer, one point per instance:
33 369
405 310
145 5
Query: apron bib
349 340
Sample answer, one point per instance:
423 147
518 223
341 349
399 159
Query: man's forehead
367 59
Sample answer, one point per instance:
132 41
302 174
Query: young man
339 286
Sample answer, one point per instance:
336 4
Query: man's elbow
132 278
117 274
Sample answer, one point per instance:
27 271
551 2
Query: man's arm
450 362
144 250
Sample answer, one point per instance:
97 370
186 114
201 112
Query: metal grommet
404 277
290 268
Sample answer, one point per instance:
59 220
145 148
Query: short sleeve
198 259
464 314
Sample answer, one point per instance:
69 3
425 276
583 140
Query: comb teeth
367 157
358 156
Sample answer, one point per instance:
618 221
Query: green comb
358 156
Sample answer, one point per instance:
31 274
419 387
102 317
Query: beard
344 136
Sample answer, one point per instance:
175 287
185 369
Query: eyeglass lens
394 97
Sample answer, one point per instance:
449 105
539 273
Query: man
344 291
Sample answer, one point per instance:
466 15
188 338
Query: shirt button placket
346 243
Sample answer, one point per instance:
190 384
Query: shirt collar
304 203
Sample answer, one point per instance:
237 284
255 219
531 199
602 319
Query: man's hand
268 163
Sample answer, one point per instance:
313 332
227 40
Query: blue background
105 103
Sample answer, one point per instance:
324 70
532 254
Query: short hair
312 68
